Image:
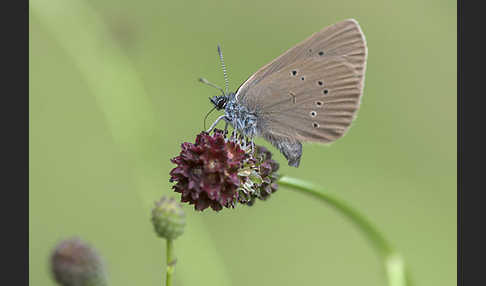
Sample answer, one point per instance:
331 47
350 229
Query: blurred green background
114 92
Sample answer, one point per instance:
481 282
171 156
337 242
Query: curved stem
171 261
392 260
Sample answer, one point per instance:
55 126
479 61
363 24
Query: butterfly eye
325 91
321 53
294 72
313 114
302 78
315 125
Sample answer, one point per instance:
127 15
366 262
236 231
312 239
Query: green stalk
171 262
392 260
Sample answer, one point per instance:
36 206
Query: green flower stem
392 260
171 262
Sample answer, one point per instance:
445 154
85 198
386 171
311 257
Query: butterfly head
219 101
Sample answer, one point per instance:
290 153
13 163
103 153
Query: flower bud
168 218
75 263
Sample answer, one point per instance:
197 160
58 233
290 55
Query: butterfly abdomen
288 146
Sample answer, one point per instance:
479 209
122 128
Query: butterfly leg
246 141
241 140
225 129
215 122
235 136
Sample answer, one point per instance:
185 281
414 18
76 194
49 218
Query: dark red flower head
217 172
207 171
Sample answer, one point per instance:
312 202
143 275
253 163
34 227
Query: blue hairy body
240 117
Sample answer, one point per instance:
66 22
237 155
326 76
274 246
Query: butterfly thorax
240 117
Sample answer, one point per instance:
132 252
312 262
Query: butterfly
310 93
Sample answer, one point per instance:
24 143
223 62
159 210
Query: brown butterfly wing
316 104
343 39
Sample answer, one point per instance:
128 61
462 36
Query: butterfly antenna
224 68
205 81
206 117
